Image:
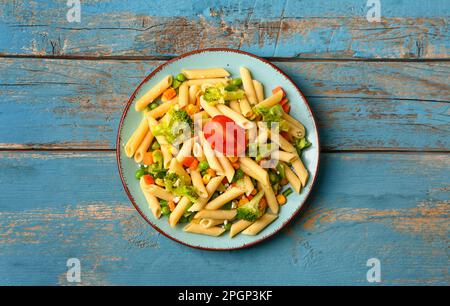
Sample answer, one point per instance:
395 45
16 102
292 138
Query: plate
262 70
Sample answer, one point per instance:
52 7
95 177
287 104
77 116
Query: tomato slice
225 136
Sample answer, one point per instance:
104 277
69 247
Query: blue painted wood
359 106
308 28
390 206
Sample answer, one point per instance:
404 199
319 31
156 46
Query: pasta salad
214 153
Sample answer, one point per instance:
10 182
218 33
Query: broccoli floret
300 144
156 170
177 186
272 114
218 94
175 124
251 211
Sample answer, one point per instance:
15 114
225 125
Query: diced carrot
148 179
287 108
194 164
211 172
235 165
169 93
147 159
284 101
277 89
254 191
233 159
171 205
242 201
188 160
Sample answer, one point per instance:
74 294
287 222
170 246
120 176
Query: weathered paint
72 104
312 28
390 206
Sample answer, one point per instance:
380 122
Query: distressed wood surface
372 86
391 206
308 28
77 104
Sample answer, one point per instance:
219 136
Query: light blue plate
231 60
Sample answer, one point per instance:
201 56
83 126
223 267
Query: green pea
236 82
176 83
155 145
153 105
203 165
165 210
139 173
287 192
273 177
227 226
231 87
181 77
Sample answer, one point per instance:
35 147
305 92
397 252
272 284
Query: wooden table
380 92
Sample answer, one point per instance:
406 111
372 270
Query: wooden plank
390 206
76 104
311 28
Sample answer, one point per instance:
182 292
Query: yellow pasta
236 117
136 138
153 93
199 229
247 82
178 212
216 214
197 182
177 168
211 188
270 197
246 109
159 192
228 169
210 154
152 201
254 170
225 197
193 91
292 179
143 147
205 73
260 224
234 105
210 109
238 227
210 222
301 171
207 81
271 101
259 90
183 95
162 109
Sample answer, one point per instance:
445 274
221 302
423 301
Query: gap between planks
272 59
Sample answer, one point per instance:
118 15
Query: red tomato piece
225 136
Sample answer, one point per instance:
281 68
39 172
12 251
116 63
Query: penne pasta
205 73
260 224
248 185
136 138
271 101
292 178
234 105
178 212
270 197
212 81
210 109
247 82
254 170
193 91
225 197
285 156
185 150
216 214
236 117
199 229
228 169
259 90
153 93
210 155
238 227
246 109
210 222
152 201
177 168
197 151
162 109
197 182
211 187
159 192
143 147
301 171
183 95
167 155
296 131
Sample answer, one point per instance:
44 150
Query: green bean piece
287 192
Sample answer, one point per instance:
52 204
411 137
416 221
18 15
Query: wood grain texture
391 206
77 104
309 28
